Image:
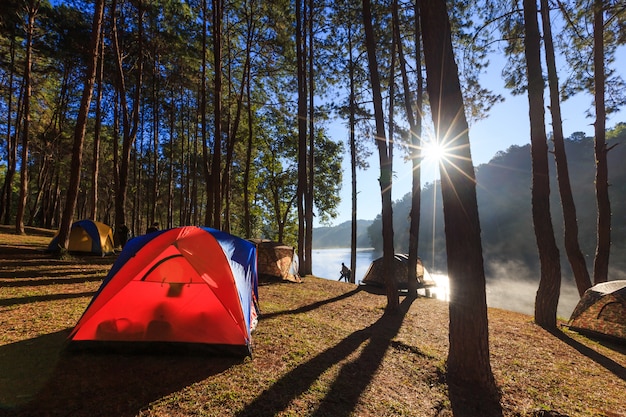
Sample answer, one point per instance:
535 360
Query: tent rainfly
601 311
190 287
277 260
375 274
88 237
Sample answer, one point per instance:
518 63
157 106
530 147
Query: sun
433 151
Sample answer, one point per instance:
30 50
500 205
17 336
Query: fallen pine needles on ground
322 348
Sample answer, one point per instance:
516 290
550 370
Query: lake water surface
502 292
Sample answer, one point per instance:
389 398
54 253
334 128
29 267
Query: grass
322 348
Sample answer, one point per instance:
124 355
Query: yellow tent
88 236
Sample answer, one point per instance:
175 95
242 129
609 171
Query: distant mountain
504 201
339 236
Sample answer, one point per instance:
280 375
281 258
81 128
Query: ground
322 348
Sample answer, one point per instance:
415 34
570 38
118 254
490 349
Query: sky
507 124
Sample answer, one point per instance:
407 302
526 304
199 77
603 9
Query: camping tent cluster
601 311
189 286
87 237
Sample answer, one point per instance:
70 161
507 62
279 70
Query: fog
510 285
520 296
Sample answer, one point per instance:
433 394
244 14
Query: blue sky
506 125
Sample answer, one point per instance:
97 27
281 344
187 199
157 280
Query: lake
502 292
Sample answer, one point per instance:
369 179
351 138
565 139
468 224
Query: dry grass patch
322 348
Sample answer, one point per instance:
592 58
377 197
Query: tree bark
570 222
468 357
81 125
7 187
415 132
156 99
217 114
248 163
208 218
302 137
353 158
308 200
547 298
32 9
603 248
96 134
129 124
385 163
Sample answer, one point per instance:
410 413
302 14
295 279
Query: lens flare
433 151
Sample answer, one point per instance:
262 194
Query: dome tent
375 275
276 260
182 287
601 311
87 237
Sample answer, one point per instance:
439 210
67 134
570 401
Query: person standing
345 273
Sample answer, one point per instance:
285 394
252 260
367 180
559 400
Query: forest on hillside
339 236
504 203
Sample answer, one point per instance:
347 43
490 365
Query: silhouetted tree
570 221
547 298
81 125
384 159
468 357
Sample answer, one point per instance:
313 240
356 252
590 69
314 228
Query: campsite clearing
321 348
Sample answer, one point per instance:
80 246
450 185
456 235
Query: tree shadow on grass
40 378
352 380
310 307
608 363
7 302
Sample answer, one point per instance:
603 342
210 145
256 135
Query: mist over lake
507 291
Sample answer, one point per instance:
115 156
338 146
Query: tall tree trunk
385 162
81 126
155 139
170 164
32 9
248 164
570 222
308 201
203 120
353 157
96 134
415 152
232 133
468 357
116 139
547 298
217 113
603 248
194 210
130 124
7 187
188 163
302 142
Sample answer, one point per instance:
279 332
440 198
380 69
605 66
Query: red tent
188 285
